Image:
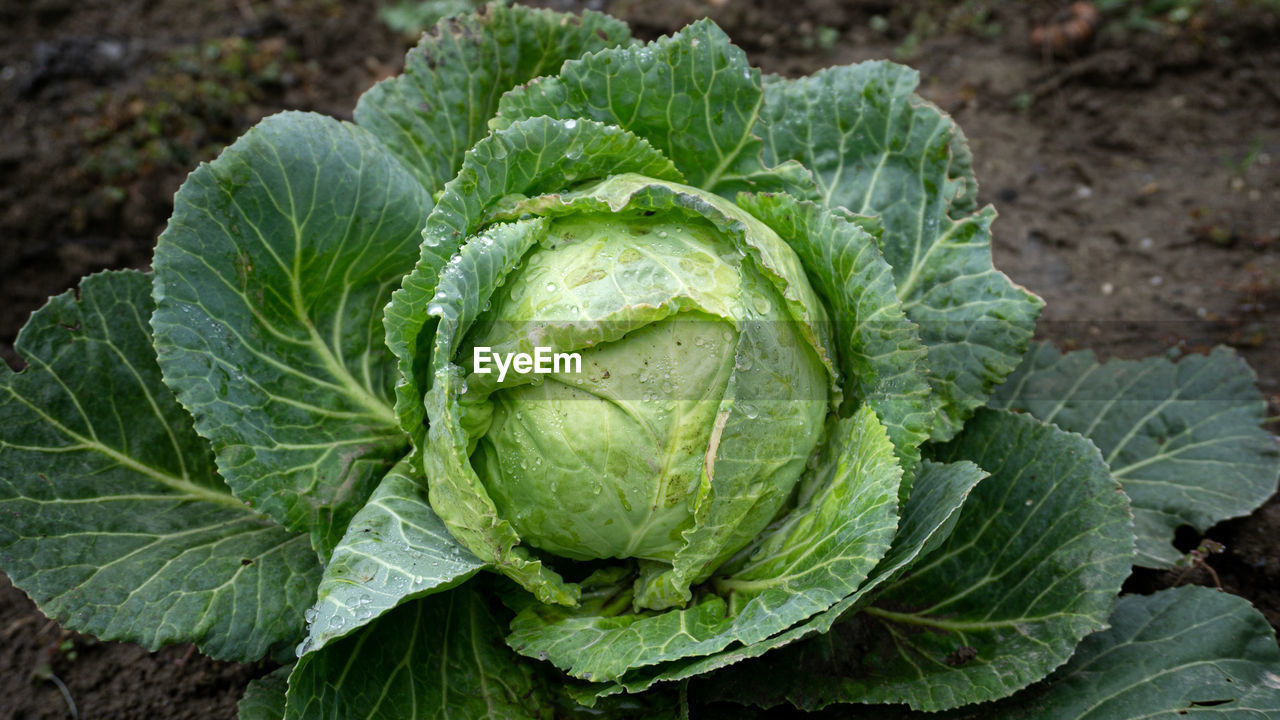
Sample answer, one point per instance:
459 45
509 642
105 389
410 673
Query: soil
1136 177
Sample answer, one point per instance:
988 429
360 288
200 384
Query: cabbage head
705 375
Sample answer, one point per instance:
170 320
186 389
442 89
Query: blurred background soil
1132 149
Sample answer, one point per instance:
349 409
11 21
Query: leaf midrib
181 485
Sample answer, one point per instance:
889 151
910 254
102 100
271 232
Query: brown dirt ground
1136 181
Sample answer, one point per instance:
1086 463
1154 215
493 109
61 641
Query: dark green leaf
1184 652
878 149
441 656
264 698
1184 439
111 514
270 282
692 95
1033 565
430 115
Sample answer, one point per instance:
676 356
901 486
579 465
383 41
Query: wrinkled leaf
270 281
1184 439
693 95
1033 565
877 149
881 355
440 656
1183 652
439 107
395 549
112 517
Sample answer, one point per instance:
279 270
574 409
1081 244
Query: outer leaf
1184 439
114 520
1183 652
877 149
430 115
693 95
1033 565
530 157
395 549
441 656
927 520
816 557
269 284
881 355
264 698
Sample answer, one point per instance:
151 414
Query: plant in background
412 17
807 459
